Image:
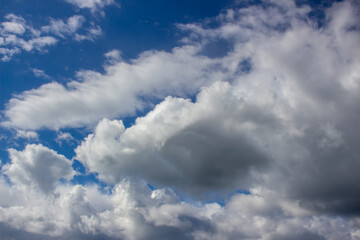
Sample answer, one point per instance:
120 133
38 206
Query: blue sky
179 119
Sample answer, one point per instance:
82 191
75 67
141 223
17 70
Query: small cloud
64 137
40 73
61 28
93 5
91 34
113 56
26 134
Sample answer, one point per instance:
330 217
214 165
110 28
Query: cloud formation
133 211
274 123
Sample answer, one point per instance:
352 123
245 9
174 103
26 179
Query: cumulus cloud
179 143
37 167
133 211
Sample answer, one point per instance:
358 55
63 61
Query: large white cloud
120 91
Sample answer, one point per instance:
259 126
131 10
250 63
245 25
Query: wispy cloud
40 73
93 5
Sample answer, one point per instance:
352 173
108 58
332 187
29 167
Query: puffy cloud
14 25
37 167
179 143
133 211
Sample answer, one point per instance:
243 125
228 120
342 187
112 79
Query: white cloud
13 27
62 29
40 73
113 56
91 4
13 38
26 134
116 92
37 167
133 211
64 137
91 34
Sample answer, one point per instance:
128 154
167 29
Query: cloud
61 29
133 211
16 35
64 137
283 112
93 5
113 56
91 34
121 90
14 25
275 117
40 73
26 134
179 143
37 167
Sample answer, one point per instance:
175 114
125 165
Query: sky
232 119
